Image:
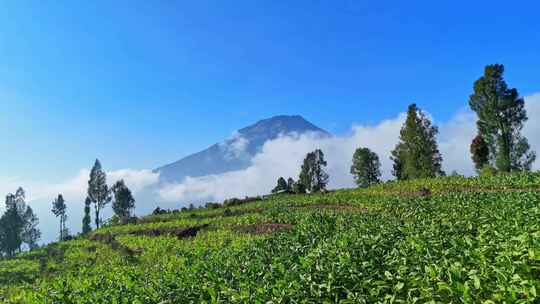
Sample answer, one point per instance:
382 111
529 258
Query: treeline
18 224
497 147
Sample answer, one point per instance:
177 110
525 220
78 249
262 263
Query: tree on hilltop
417 155
312 174
98 191
59 210
501 114
365 167
123 200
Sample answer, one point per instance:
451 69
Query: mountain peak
236 153
281 124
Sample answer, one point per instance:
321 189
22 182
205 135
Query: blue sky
140 84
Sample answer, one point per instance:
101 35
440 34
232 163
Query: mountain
236 153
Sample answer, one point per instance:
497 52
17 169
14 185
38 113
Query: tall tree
11 228
312 174
98 192
86 219
479 152
123 200
59 210
501 114
18 225
30 234
12 223
281 185
365 167
417 155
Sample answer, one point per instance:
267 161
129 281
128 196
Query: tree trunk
503 158
97 215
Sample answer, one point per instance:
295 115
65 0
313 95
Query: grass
471 240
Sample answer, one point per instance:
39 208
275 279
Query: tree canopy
59 210
282 186
312 174
501 114
365 167
86 218
98 192
417 155
18 225
123 200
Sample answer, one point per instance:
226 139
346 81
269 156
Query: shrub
488 170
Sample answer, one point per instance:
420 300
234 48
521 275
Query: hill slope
236 153
464 240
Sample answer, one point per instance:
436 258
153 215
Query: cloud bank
283 157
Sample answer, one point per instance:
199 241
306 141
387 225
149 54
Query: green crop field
466 240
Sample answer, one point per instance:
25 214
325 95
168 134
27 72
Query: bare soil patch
109 239
178 232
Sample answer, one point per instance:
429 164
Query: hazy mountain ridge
236 153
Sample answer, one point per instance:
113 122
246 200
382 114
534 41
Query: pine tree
59 210
501 114
86 228
479 152
123 200
416 155
281 185
365 167
312 174
98 192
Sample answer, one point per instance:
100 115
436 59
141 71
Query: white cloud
531 130
75 188
283 156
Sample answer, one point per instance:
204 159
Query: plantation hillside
441 240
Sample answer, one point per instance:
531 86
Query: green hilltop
440 240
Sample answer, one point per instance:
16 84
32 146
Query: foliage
30 234
98 192
59 210
123 200
11 229
18 225
479 152
86 228
365 167
299 188
417 155
312 174
281 186
473 240
290 184
501 114
488 170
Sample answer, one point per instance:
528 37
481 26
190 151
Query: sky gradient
143 83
